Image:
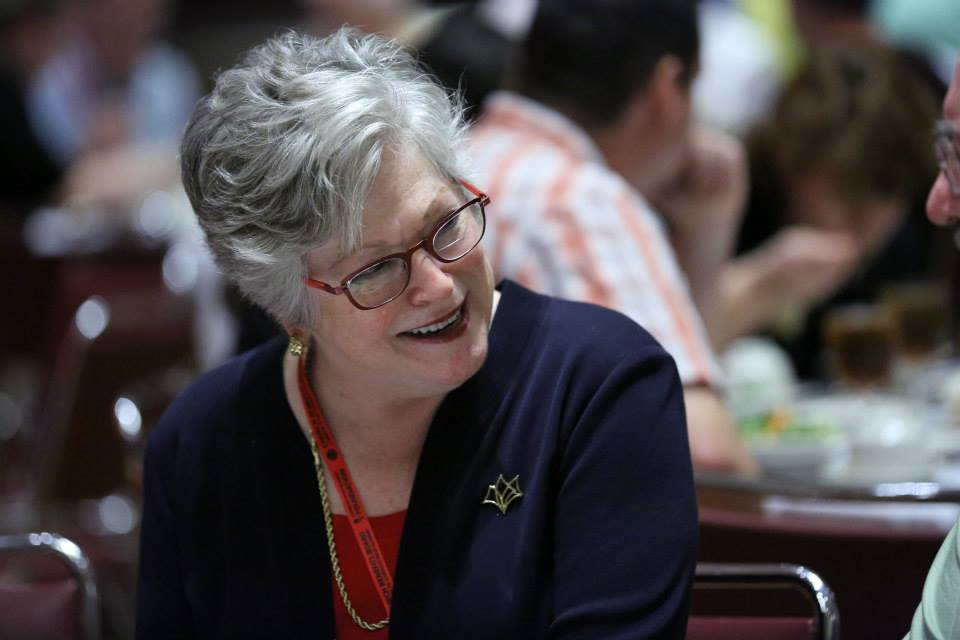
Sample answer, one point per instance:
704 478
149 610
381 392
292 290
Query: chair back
138 408
78 453
871 565
761 602
48 589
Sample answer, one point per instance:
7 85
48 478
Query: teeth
440 326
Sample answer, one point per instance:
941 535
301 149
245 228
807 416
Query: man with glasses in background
938 616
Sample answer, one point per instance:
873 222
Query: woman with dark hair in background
837 171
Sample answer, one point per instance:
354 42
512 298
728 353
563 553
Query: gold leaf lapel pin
503 493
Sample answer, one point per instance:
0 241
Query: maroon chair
47 589
42 288
77 452
761 602
876 568
29 284
137 409
749 628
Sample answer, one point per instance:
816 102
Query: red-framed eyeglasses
384 279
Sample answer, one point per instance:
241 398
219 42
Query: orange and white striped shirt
563 223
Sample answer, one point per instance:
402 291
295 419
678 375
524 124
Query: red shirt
357 579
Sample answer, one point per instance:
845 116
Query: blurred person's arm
715 442
120 177
794 270
703 207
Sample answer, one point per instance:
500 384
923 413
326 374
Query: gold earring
297 346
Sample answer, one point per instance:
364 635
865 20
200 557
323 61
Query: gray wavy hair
279 157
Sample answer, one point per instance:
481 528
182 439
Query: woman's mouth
443 330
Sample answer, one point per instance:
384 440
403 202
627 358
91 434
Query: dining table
862 494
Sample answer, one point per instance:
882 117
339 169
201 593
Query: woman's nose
429 279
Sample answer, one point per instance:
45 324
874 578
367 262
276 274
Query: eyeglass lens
948 156
458 235
385 280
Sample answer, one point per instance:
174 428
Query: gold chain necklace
332 546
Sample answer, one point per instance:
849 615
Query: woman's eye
380 266
372 271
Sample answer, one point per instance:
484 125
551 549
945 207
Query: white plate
879 438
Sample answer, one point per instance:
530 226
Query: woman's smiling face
431 338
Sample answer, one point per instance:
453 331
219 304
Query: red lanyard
349 496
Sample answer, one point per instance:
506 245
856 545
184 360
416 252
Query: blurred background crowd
792 199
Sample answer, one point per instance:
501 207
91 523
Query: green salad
783 424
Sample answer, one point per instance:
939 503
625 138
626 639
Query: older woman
404 464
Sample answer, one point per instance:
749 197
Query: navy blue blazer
578 401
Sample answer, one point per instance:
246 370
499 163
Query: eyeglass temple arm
485 199
323 286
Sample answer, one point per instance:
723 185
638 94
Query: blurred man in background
601 120
111 104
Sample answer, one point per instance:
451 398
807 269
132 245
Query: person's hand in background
796 269
703 206
118 178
